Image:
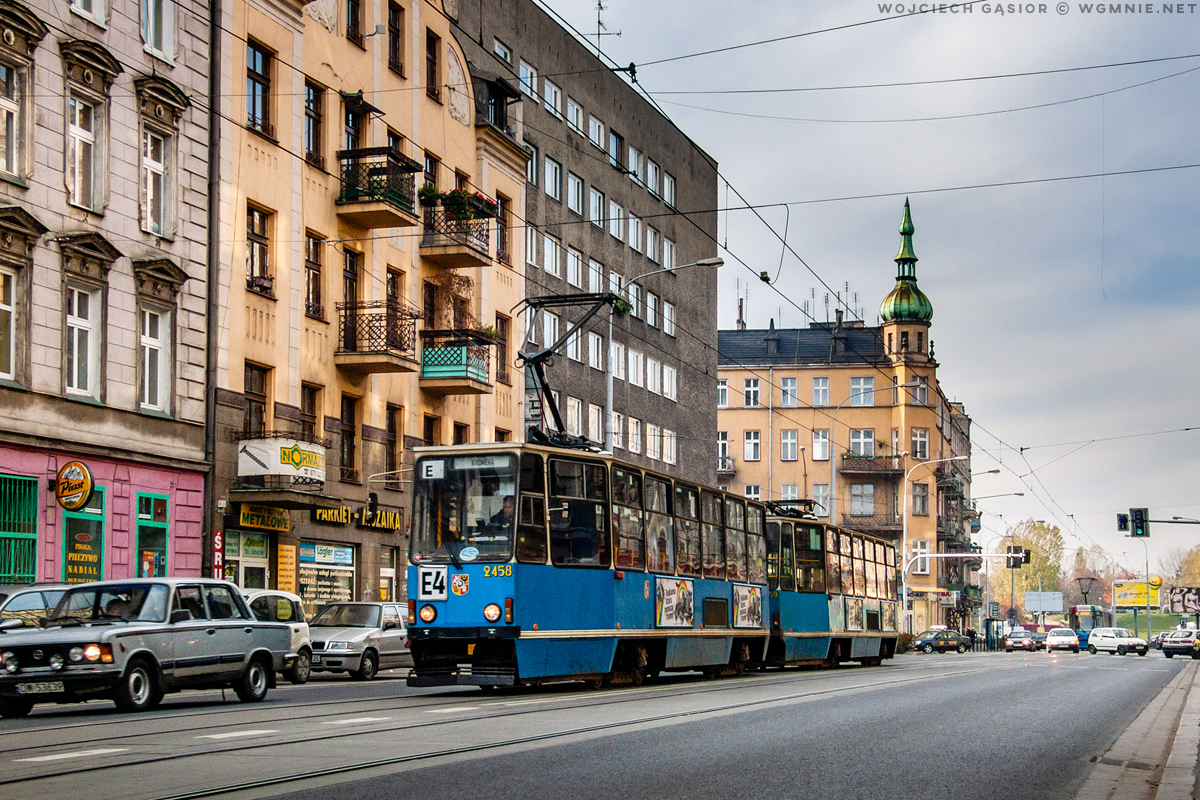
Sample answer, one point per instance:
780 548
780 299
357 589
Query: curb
1179 775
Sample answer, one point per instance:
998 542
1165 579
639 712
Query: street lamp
1006 494
988 472
904 540
1085 586
608 403
1186 519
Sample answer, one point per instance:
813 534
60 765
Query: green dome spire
906 303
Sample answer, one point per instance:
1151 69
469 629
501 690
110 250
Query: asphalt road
941 726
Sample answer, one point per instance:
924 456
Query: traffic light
1139 522
1122 522
1026 553
1014 557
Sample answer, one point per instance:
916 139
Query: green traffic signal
1139 522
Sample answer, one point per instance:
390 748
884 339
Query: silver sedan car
360 638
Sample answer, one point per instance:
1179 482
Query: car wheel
301 670
370 665
962 648
1143 652
1121 650
13 707
1008 649
927 649
138 689
252 686
1092 649
1168 655
1074 649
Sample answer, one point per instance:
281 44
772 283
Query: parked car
29 602
360 638
1062 639
133 641
270 605
1156 640
1177 643
1116 640
1039 640
941 641
1019 640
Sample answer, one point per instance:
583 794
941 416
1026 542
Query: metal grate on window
18 529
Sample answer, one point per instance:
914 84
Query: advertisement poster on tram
747 606
837 613
854 614
889 616
674 603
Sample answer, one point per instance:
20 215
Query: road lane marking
235 734
77 754
355 720
451 709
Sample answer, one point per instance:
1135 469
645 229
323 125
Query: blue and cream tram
531 563
832 592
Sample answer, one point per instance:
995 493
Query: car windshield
928 634
115 603
1019 634
1061 632
347 616
1123 633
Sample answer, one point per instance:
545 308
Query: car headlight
337 646
9 660
98 652
428 613
492 612
75 654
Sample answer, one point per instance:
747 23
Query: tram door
578 513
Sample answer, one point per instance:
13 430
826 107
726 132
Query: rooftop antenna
827 307
600 29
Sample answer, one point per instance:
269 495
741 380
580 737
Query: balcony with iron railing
378 189
455 362
376 337
879 520
853 462
725 465
454 241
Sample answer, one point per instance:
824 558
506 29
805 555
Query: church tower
907 312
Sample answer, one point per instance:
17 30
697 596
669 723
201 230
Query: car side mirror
180 615
390 625
10 624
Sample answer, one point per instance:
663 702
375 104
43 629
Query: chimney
741 323
837 320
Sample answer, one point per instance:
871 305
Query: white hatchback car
1116 640
272 605
1062 639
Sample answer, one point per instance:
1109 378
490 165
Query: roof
819 344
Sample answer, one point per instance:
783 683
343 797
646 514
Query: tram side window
687 530
787 559
532 547
578 509
810 561
773 537
660 526
627 519
756 545
847 565
735 539
870 567
833 564
712 535
860 577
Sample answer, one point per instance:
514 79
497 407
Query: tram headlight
9 660
492 612
428 614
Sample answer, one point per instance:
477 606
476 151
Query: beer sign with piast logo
73 486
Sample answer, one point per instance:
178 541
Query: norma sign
73 486
289 458
218 560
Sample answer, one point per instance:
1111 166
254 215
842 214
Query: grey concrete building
607 179
103 212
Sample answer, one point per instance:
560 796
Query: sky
1066 312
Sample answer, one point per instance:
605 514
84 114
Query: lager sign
73 486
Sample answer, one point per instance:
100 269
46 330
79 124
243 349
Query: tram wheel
596 683
740 668
487 688
637 677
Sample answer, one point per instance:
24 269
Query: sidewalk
1156 757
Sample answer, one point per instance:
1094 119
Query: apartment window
258 89
635 232
83 128
92 9
8 324
354 27
616 356
12 101
552 255
618 430
528 77
596 132
502 50
652 309
636 368
503 435
653 177
595 277
432 168
637 165
616 219
351 270
722 393
862 499
653 441
750 392
531 244
352 129
668 318
820 439
862 441
670 446
920 496
895 389
158 27
155 152
574 116
574 267
789 491
653 375
896 440
668 254
395 40
668 194
635 435
393 448
314 98
310 408
155 379
314 249
531 166
462 433
751 446
820 497
753 491
862 391
634 295
256 384
595 423
820 391
83 342
433 73
258 252
549 329
596 207
574 416
552 97
670 383
920 443
553 177
788 450
429 297
722 446
503 225
349 439
653 241
920 548
503 326
616 143
575 193
920 392
595 351
575 346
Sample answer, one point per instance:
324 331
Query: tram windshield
464 508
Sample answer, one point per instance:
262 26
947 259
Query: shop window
388 589
83 541
152 536
246 559
18 529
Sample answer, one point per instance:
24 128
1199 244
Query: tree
1189 570
1170 564
1045 543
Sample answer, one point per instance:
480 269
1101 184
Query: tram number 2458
498 571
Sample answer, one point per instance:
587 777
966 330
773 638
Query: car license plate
48 687
316 659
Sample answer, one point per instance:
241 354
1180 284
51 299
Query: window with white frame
862 391
820 497
552 255
155 206
532 239
751 446
635 435
83 132
750 392
668 194
637 165
595 423
574 116
920 392
158 27
155 378
862 441
8 324
862 499
552 97
653 241
670 383
616 355
596 207
574 267
789 491
634 295
753 491
553 178
653 441
596 132
616 220
528 77
920 497
668 318
652 309
820 439
896 441
788 449
653 177
531 166
502 50
92 9
723 393
920 443
788 394
82 355
574 416
549 329
653 375
820 396
595 350
618 430
920 548
595 277
722 447
575 193
635 232
668 253
12 103
670 446
575 346
614 282
636 368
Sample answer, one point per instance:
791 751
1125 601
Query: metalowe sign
265 517
289 458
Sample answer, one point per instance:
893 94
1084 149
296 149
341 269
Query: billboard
1044 602
290 458
1184 600
1133 593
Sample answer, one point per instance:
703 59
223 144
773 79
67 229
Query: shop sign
254 545
73 486
272 519
286 572
85 548
383 519
218 559
318 553
289 458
